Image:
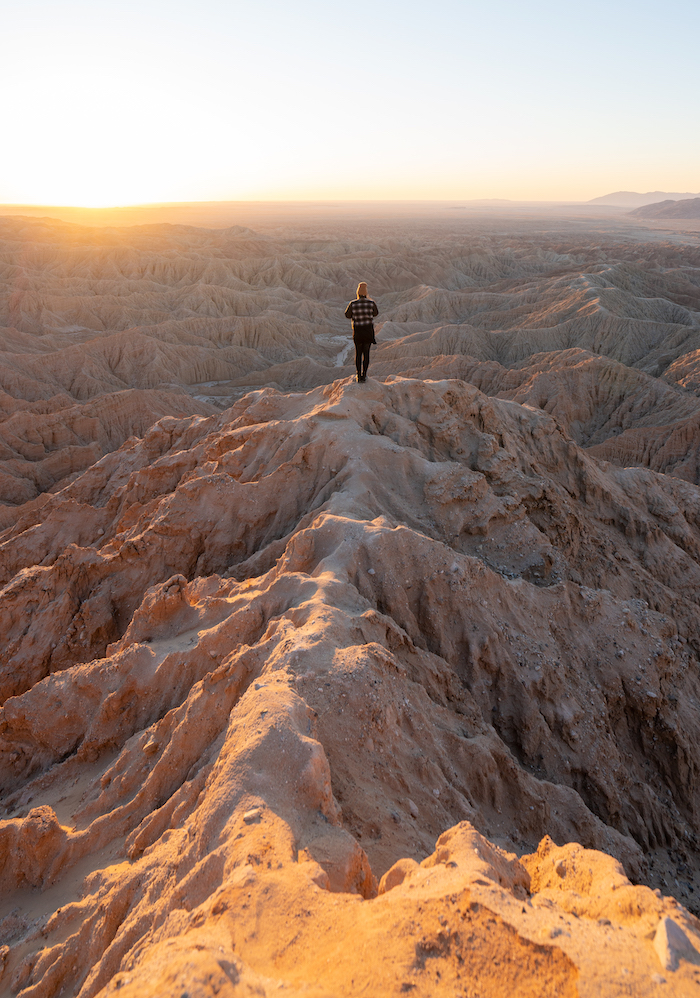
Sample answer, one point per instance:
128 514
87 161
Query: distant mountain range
631 199
686 208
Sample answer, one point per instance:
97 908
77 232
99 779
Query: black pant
362 358
363 341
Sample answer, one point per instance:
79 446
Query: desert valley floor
326 689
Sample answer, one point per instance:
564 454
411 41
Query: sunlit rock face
345 688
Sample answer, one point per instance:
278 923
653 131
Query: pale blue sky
113 103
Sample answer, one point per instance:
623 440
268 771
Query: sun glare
100 184
64 185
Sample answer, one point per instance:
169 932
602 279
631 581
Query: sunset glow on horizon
124 104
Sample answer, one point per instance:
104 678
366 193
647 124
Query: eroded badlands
327 689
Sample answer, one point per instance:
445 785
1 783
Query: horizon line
170 204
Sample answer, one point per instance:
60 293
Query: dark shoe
359 378
362 379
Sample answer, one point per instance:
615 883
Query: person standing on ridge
362 311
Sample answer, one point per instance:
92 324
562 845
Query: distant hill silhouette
631 199
688 208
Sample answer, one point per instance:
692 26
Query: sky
114 103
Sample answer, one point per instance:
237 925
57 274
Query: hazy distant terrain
631 199
266 216
327 689
688 208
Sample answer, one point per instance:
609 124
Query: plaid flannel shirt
361 311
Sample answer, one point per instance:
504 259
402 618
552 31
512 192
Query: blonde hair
361 289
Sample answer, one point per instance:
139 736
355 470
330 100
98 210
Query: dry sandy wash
329 689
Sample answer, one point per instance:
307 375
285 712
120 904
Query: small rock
253 815
658 979
397 874
151 746
412 808
370 571
561 868
672 944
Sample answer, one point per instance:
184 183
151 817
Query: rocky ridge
258 663
90 312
